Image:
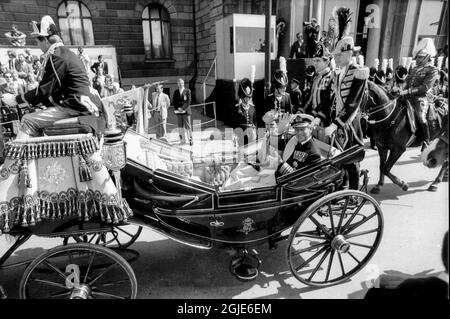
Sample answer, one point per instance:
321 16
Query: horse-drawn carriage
86 192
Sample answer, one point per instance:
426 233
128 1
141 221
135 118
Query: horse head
437 152
375 97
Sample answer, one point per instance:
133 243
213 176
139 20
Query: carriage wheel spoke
50 283
319 264
60 294
360 223
91 261
361 233
325 231
105 294
356 259
331 219
117 282
101 274
330 262
360 245
311 258
355 213
309 234
298 252
341 263
51 266
341 219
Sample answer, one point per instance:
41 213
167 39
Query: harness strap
387 117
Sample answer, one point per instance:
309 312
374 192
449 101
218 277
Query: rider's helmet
45 28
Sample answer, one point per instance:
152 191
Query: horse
391 129
435 155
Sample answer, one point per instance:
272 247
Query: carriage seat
76 125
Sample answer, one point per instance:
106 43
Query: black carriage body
197 213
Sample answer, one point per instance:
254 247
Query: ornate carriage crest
247 226
54 174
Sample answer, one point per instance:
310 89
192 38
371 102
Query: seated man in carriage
63 85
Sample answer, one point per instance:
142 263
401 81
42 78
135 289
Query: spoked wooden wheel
118 237
74 273
335 238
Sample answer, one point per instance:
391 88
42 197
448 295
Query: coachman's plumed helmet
45 28
245 88
280 79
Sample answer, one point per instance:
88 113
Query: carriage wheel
334 238
119 237
75 274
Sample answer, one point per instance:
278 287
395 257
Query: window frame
166 56
81 17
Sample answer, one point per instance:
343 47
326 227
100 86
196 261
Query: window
75 23
156 30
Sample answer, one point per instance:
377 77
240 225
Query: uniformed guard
349 86
400 77
319 104
296 96
422 78
310 73
245 113
279 100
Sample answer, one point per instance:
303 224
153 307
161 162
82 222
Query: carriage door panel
246 215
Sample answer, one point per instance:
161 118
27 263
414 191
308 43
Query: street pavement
415 222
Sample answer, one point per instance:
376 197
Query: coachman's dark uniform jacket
65 83
284 104
349 86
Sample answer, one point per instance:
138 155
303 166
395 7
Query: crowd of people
21 73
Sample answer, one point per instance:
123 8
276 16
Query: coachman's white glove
330 129
9 99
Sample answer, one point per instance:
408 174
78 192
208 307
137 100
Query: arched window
75 23
156 30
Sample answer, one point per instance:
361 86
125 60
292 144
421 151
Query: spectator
312 30
159 106
372 71
32 83
101 63
296 96
10 86
37 66
28 57
110 87
22 67
3 69
99 80
298 48
85 59
182 105
12 59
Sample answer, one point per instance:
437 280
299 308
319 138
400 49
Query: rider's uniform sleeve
430 78
353 101
54 73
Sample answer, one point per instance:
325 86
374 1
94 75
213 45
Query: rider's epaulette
362 73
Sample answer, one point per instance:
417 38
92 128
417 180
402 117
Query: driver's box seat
76 125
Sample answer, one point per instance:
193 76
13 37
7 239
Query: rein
383 107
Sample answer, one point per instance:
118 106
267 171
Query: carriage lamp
114 154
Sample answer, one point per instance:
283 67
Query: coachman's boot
426 136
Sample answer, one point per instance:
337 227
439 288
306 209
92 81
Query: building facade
169 39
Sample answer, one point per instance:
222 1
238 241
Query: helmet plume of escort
342 42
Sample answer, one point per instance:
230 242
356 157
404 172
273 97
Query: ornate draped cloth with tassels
58 177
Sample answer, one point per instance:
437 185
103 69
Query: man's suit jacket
163 103
97 64
182 101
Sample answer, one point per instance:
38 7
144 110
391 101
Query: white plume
283 66
253 73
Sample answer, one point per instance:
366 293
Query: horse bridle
379 109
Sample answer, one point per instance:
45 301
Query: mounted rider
64 86
421 79
349 86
